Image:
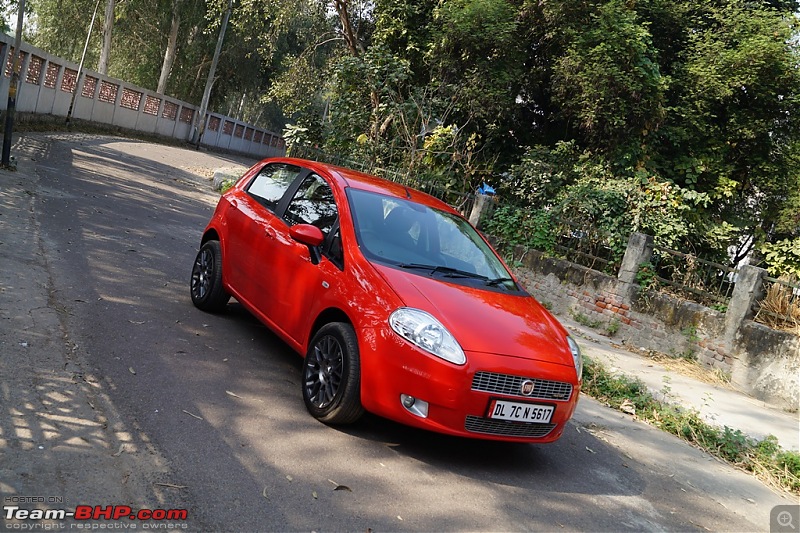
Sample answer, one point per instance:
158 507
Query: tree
686 109
61 27
171 49
108 28
733 125
607 81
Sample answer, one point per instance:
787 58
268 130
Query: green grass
764 458
584 320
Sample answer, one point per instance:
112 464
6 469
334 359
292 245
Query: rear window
269 186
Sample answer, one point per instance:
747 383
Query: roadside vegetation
763 458
675 118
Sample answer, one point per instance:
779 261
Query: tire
332 375
206 281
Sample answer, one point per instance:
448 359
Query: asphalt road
216 398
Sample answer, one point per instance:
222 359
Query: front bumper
459 397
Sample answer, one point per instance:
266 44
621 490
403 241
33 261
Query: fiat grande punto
397 304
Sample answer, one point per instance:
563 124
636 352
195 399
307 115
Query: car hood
489 321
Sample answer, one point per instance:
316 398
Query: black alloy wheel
206 281
331 375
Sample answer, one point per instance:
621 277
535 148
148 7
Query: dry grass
687 367
693 369
780 308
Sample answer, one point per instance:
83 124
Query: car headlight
577 357
421 329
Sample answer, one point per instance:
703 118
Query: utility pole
200 119
12 90
80 65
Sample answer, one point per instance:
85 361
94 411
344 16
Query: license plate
521 412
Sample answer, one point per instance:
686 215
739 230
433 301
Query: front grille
476 424
512 386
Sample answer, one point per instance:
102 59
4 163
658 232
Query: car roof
347 177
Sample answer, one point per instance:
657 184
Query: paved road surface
204 412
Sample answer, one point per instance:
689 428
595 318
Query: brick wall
761 361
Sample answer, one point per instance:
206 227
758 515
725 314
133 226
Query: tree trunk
172 47
108 26
347 28
356 50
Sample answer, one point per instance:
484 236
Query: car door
296 281
252 232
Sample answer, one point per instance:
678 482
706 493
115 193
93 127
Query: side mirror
311 236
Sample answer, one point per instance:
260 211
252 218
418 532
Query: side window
312 204
269 186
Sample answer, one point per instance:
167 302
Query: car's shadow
551 467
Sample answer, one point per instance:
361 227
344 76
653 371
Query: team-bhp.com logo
95 512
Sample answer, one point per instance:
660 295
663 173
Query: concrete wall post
748 288
478 207
639 250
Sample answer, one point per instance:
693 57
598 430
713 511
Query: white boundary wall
46 83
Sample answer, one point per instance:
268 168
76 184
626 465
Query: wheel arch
210 235
331 314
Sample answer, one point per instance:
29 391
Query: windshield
408 235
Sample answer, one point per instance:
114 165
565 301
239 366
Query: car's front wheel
206 287
332 375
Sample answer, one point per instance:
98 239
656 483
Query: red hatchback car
399 306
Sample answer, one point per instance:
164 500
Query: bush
782 258
513 226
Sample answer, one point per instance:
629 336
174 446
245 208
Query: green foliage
226 185
613 390
690 332
586 189
296 136
646 277
475 57
764 458
584 320
674 118
731 132
665 211
513 226
788 218
608 79
543 173
782 258
62 27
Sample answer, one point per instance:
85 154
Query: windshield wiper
497 281
445 270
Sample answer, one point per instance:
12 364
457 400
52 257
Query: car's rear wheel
332 375
206 287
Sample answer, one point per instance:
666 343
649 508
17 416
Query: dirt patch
203 172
